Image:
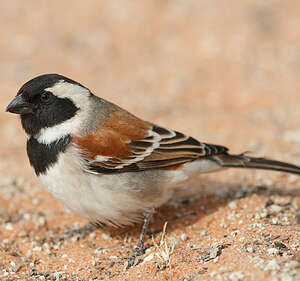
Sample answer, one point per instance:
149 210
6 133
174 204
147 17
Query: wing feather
125 143
159 148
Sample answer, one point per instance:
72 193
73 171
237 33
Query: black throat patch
43 156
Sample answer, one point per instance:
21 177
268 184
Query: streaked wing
160 148
174 148
125 143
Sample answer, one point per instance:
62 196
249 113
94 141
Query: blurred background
223 71
226 72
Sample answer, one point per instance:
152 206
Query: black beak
19 106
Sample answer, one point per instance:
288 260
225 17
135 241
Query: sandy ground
225 72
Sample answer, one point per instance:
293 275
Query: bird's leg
140 246
140 250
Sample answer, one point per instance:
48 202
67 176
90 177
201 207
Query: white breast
117 199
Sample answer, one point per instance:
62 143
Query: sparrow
104 163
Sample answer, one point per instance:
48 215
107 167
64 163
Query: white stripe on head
74 92
80 97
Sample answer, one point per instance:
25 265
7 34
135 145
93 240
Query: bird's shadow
211 195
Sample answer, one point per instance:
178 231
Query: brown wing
126 143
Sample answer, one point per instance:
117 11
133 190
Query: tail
242 161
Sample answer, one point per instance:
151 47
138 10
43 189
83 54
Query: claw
131 261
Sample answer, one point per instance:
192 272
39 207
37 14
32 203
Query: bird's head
47 101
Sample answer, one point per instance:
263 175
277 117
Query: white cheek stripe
55 133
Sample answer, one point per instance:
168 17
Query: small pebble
48 252
28 253
282 200
213 253
272 265
275 221
37 249
293 178
223 223
106 236
275 209
17 268
250 249
272 251
74 239
236 276
242 238
232 205
183 237
235 233
27 216
263 215
279 245
148 258
292 265
22 233
9 226
7 180
41 221
200 231
92 236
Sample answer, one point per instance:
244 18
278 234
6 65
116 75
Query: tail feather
243 161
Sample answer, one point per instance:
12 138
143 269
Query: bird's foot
132 260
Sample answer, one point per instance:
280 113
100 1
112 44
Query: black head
45 101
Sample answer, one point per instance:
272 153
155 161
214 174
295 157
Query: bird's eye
45 97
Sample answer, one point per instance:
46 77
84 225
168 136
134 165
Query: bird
104 163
